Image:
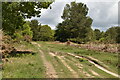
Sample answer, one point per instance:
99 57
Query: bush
78 40
18 36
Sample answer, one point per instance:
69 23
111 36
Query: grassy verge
25 66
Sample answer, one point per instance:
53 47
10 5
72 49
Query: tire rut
97 65
50 71
63 61
80 69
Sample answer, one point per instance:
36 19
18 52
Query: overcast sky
103 12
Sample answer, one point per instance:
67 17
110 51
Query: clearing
53 60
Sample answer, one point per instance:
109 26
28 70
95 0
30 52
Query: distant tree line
41 32
76 25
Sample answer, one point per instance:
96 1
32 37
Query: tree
14 13
62 33
112 35
17 36
76 23
46 34
98 34
118 35
35 29
90 35
41 32
26 30
24 33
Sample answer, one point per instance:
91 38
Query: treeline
13 20
41 32
32 31
112 35
76 25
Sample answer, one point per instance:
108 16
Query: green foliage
76 23
41 33
112 57
98 34
25 66
46 34
90 35
14 13
27 30
24 33
102 39
35 29
62 33
77 40
18 36
112 35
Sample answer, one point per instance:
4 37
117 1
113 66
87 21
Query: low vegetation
24 65
32 50
111 60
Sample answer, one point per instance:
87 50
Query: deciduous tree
46 34
14 13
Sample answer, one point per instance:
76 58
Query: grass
109 59
75 68
86 68
0 74
31 66
26 66
59 67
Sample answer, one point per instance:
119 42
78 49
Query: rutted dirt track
97 65
51 73
74 73
62 60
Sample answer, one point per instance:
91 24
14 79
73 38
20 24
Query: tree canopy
14 13
46 33
41 32
112 35
35 27
76 23
98 34
24 33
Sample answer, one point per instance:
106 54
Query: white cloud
104 15
103 12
